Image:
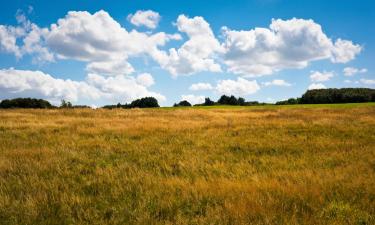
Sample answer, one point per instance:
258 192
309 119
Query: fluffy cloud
316 86
25 83
32 38
351 71
317 76
8 39
277 82
193 99
201 87
285 44
195 55
34 44
100 40
146 18
344 51
367 81
121 88
239 87
106 46
145 79
110 68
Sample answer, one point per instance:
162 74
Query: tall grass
273 165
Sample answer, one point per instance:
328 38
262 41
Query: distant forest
316 96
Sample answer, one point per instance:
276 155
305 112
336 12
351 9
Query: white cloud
285 44
317 76
106 46
367 81
100 40
193 99
348 81
110 68
201 87
145 79
316 86
196 54
27 33
344 51
121 88
38 84
277 82
239 87
34 44
351 71
146 18
8 39
26 83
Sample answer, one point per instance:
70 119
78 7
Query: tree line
317 96
333 95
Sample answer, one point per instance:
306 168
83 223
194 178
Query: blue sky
104 52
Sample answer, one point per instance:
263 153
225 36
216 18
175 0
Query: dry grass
199 166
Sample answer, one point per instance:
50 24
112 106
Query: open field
228 165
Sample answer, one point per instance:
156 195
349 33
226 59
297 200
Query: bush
208 102
291 101
147 102
182 103
25 103
343 95
226 100
66 104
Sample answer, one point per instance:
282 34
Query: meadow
303 164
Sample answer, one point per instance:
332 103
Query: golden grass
270 165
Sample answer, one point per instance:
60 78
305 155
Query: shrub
333 95
25 103
182 103
147 102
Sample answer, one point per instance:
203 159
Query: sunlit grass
219 165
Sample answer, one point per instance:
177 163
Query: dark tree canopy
208 102
343 95
66 104
147 102
226 100
25 103
290 101
182 103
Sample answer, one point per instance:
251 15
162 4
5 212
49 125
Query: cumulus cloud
196 54
200 87
367 81
145 79
239 87
317 76
285 44
110 68
146 18
316 86
351 71
8 40
27 33
34 44
100 40
26 83
107 47
344 51
277 82
193 99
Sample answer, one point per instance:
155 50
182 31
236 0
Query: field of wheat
230 165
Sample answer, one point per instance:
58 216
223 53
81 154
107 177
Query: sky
104 52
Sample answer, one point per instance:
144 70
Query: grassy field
219 165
